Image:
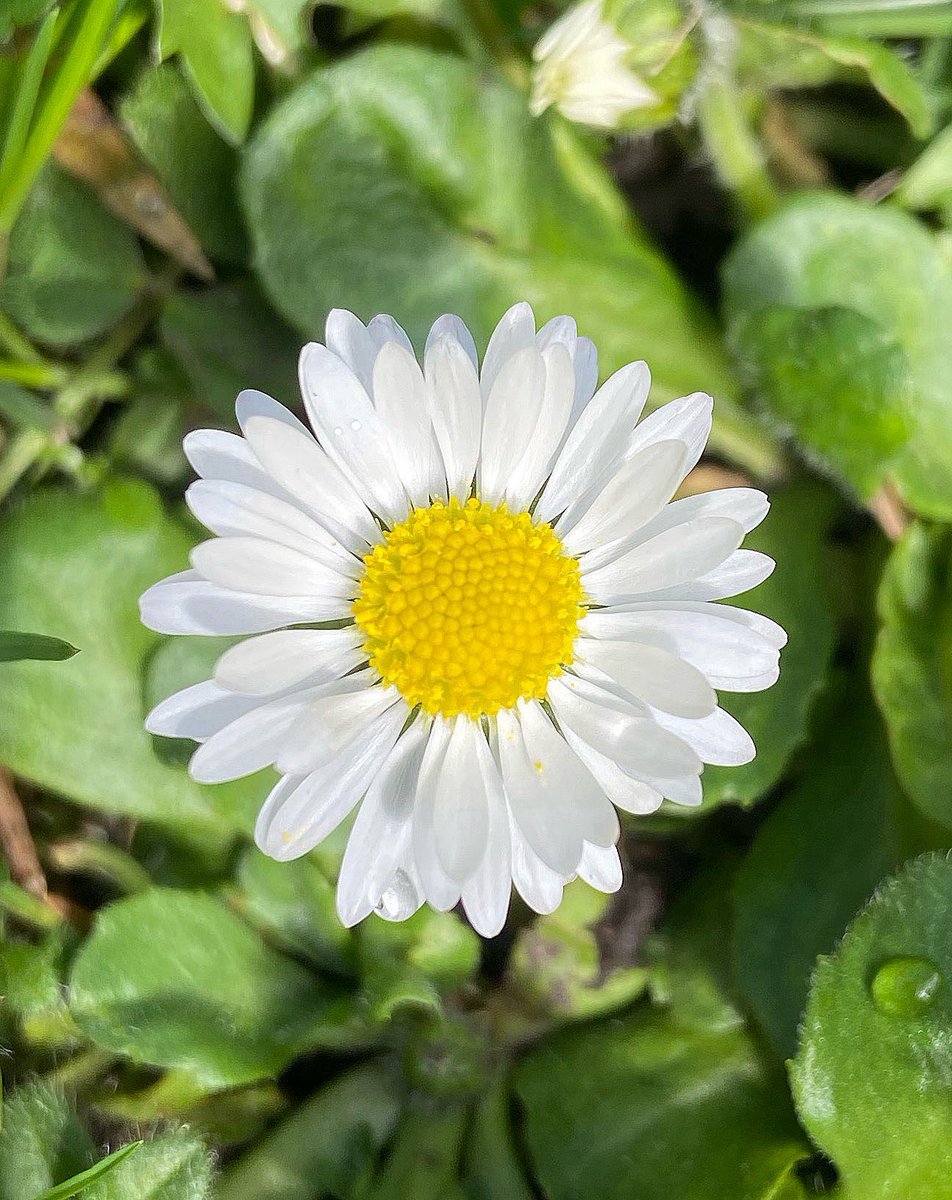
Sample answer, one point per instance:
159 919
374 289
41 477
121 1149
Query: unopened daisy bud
617 64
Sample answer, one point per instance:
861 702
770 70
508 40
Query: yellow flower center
467 607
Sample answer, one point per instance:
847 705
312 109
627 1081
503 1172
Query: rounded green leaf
406 181
839 380
174 979
42 1142
912 667
78 564
871 1078
73 268
197 167
646 1107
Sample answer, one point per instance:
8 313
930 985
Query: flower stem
734 149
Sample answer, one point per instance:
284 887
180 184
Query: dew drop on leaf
905 986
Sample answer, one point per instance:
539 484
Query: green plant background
764 1012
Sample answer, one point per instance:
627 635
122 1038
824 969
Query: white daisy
581 69
479 620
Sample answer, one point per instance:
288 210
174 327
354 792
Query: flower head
581 69
476 616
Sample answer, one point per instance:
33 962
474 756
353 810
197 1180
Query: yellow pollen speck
468 607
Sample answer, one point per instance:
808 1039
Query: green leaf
82 1181
173 1166
173 135
321 1149
863 374
912 667
73 268
15 646
834 836
791 56
77 564
491 1163
927 185
822 252
644 1106
174 979
23 410
556 966
21 12
216 48
797 596
423 1156
871 1079
294 904
31 983
407 181
41 1143
227 339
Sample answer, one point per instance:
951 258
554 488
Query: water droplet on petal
338 431
905 986
400 899
355 426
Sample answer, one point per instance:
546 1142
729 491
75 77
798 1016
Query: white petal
553 798
509 422
687 420
461 810
515 332
194 606
383 328
718 739
350 430
600 867
333 720
380 838
596 445
746 506
402 896
438 888
724 650
197 712
304 470
401 400
667 560
215 454
550 428
265 568
743 570
234 510
487 893
292 823
685 791
623 790
456 410
537 884
768 629
249 743
251 403
346 336
276 661
655 676
635 494
633 741
452 326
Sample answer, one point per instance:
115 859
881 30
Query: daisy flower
580 68
477 618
